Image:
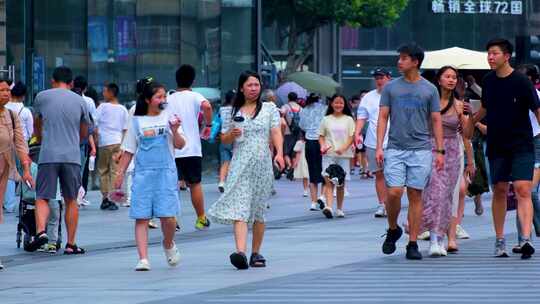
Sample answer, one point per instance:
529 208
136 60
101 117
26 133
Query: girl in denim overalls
152 137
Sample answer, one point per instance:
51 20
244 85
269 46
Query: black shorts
516 167
288 145
48 176
189 169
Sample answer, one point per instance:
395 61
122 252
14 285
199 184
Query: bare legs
456 220
197 199
71 217
223 170
380 186
168 228
241 234
524 208
393 207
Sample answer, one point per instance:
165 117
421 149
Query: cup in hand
238 123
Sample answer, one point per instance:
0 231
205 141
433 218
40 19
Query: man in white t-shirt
110 122
368 110
187 105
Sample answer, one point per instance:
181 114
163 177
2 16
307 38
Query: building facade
440 24
123 40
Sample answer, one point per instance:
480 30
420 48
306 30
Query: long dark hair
240 99
454 95
311 99
346 109
229 98
148 91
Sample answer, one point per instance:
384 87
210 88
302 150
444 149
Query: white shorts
343 162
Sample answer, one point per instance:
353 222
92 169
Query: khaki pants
107 167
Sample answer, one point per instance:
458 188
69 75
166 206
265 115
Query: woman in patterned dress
250 179
437 196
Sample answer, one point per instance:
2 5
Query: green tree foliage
301 18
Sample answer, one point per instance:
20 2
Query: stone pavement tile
468 277
105 227
309 243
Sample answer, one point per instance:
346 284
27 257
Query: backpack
294 125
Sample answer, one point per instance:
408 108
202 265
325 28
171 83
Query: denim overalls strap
152 152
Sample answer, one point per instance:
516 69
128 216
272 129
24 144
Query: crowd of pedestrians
426 137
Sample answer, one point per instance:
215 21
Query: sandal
257 261
239 260
73 249
453 250
39 240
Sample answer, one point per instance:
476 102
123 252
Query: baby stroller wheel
19 238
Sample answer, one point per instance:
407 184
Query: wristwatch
440 151
209 126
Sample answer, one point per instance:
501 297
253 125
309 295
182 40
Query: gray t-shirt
61 112
411 105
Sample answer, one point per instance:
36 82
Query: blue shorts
225 152
407 168
154 193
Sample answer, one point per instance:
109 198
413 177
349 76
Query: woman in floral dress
249 182
438 195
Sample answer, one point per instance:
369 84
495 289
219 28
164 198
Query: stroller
27 219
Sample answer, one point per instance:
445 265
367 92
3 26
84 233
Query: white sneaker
461 233
126 204
221 187
424 236
442 250
172 255
434 250
340 213
305 193
1 266
381 211
152 224
314 207
83 202
143 265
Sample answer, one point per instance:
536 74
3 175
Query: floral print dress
250 179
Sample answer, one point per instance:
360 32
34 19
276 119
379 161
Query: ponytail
149 88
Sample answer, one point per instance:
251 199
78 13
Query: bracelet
209 126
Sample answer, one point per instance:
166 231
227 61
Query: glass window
59 39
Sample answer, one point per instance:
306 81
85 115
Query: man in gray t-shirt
62 112
62 120
412 105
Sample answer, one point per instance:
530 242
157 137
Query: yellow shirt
336 132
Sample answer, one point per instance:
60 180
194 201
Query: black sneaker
412 252
321 204
39 240
392 236
112 206
527 250
105 203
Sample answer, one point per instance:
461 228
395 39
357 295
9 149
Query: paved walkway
310 259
